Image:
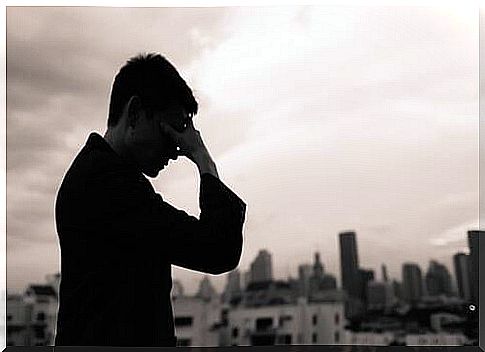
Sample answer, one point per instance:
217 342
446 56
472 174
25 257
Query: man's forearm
205 164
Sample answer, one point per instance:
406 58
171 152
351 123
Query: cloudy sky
321 119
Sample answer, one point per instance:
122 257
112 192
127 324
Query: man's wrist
205 164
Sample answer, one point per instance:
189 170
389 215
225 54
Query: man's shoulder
95 158
94 165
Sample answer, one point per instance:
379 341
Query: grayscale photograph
241 176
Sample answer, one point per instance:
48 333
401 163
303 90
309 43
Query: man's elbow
229 260
224 268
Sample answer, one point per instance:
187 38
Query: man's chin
152 173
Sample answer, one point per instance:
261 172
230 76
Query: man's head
145 91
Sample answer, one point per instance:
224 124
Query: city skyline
321 118
219 285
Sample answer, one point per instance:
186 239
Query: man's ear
134 110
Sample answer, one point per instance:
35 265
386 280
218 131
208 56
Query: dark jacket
118 240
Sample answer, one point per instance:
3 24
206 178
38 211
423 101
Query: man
118 237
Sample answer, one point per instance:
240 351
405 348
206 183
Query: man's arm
213 243
205 164
130 211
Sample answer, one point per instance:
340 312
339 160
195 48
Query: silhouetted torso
118 240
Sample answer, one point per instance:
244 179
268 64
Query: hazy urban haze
322 119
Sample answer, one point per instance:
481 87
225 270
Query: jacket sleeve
211 243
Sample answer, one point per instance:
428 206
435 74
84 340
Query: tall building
261 267
412 282
438 280
317 275
473 244
380 295
462 275
246 278
304 275
318 270
349 264
397 289
233 286
385 278
366 276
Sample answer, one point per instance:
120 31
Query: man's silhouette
118 237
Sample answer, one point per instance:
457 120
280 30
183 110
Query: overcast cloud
322 119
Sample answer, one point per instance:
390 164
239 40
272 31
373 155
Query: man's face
152 148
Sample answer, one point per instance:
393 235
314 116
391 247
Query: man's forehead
177 116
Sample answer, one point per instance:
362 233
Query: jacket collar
96 141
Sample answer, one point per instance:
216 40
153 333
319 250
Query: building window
183 321
40 316
314 319
235 332
39 332
284 318
183 342
314 338
337 336
9 317
263 324
337 318
287 339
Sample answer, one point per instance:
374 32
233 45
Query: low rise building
196 320
369 338
299 323
438 339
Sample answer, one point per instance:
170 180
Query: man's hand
190 145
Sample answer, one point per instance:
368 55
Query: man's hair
155 81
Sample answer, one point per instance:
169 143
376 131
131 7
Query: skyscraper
412 282
318 267
385 278
233 285
366 276
474 264
397 289
261 267
380 295
438 279
462 274
317 274
349 264
304 274
246 278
